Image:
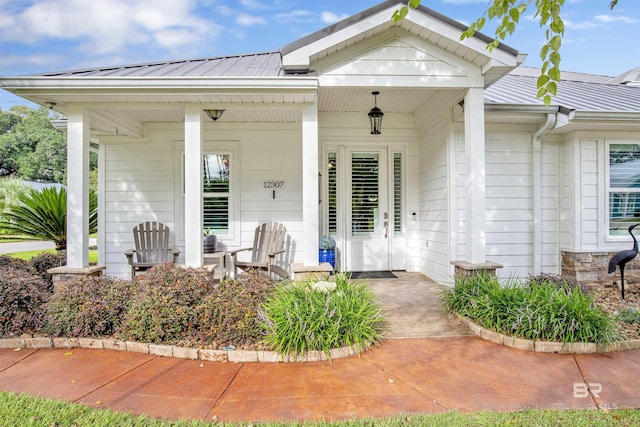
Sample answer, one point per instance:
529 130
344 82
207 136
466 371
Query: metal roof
576 91
266 64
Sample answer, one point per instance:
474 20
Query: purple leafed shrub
22 298
88 307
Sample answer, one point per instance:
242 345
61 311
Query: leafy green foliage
230 315
167 305
88 307
42 214
10 190
540 310
30 146
300 318
22 297
508 13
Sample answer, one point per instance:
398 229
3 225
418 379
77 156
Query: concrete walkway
407 373
400 376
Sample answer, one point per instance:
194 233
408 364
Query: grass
537 310
27 255
24 410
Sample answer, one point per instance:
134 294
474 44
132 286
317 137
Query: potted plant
327 250
210 241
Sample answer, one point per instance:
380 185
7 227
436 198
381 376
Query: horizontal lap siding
589 194
139 187
434 205
141 184
509 209
550 261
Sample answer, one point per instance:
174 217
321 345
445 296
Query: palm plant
42 214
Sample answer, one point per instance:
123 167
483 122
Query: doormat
373 275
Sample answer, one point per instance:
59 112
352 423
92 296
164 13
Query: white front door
368 216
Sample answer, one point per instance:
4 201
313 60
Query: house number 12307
273 184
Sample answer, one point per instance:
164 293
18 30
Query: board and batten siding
510 204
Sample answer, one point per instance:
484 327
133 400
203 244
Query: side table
219 258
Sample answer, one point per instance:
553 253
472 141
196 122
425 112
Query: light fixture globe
375 116
214 114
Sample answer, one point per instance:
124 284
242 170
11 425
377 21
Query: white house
469 166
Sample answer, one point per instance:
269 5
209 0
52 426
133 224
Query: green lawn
23 410
93 255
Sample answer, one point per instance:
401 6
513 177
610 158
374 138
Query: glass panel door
368 204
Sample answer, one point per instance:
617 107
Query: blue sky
39 36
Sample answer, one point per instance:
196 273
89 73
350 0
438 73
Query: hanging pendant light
375 115
214 114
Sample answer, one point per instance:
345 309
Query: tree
30 147
43 215
548 14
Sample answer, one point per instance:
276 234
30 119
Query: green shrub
541 310
230 315
22 297
88 307
301 317
168 304
44 261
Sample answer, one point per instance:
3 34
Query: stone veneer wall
590 269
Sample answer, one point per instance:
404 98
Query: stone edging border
235 356
548 346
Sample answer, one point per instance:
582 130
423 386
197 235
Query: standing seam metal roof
572 94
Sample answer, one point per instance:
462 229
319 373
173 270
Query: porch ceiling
113 113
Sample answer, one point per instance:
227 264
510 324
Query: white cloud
253 5
610 18
331 17
247 20
106 26
298 15
586 25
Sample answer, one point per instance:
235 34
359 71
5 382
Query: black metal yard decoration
623 257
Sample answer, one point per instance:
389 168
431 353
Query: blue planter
327 255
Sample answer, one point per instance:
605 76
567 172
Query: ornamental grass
538 310
307 316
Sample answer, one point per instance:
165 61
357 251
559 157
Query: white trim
193 135
102 217
310 195
78 187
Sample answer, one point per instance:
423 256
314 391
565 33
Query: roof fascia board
159 83
300 57
297 55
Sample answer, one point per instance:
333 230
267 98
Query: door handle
386 229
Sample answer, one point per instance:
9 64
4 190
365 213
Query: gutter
536 165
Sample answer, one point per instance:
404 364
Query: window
216 190
397 194
624 186
332 193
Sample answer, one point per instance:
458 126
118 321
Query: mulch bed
610 300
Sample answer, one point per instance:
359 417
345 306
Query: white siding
509 203
143 181
589 194
434 204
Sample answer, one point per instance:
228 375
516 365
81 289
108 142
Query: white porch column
310 178
193 134
77 187
474 147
